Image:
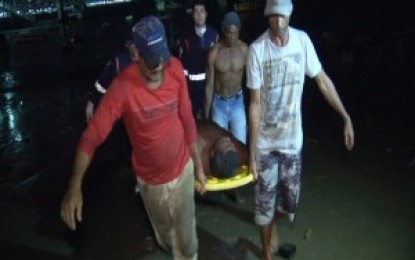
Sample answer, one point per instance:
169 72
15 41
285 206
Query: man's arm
210 80
100 87
89 110
72 203
244 49
111 70
189 127
93 136
254 118
329 92
199 172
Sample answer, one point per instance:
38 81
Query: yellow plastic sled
241 178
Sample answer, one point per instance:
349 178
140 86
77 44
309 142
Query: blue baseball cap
149 36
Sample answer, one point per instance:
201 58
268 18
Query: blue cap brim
155 56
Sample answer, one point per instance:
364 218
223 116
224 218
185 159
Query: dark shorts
278 185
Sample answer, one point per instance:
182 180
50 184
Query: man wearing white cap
278 62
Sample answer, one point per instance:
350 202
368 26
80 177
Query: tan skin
226 65
279 33
72 203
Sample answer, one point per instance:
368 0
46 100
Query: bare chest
230 60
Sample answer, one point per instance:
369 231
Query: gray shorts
278 185
171 210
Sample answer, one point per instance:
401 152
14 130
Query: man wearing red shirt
151 97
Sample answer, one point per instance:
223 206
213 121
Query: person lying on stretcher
221 153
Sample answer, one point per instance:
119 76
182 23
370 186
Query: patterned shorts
278 185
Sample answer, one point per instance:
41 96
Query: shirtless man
226 65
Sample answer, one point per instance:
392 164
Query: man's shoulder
174 66
124 57
295 32
261 39
128 75
242 45
175 62
211 30
215 48
218 45
258 44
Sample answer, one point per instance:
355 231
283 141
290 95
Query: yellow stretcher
241 178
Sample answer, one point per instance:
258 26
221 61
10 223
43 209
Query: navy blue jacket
110 71
195 49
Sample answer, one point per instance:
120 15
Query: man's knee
189 252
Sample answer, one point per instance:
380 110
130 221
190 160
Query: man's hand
89 110
253 168
201 178
348 134
71 208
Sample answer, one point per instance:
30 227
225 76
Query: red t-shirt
159 123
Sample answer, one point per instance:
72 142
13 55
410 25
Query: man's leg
171 210
237 119
197 97
239 131
288 192
289 183
265 202
265 238
273 242
156 205
185 243
269 237
219 113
